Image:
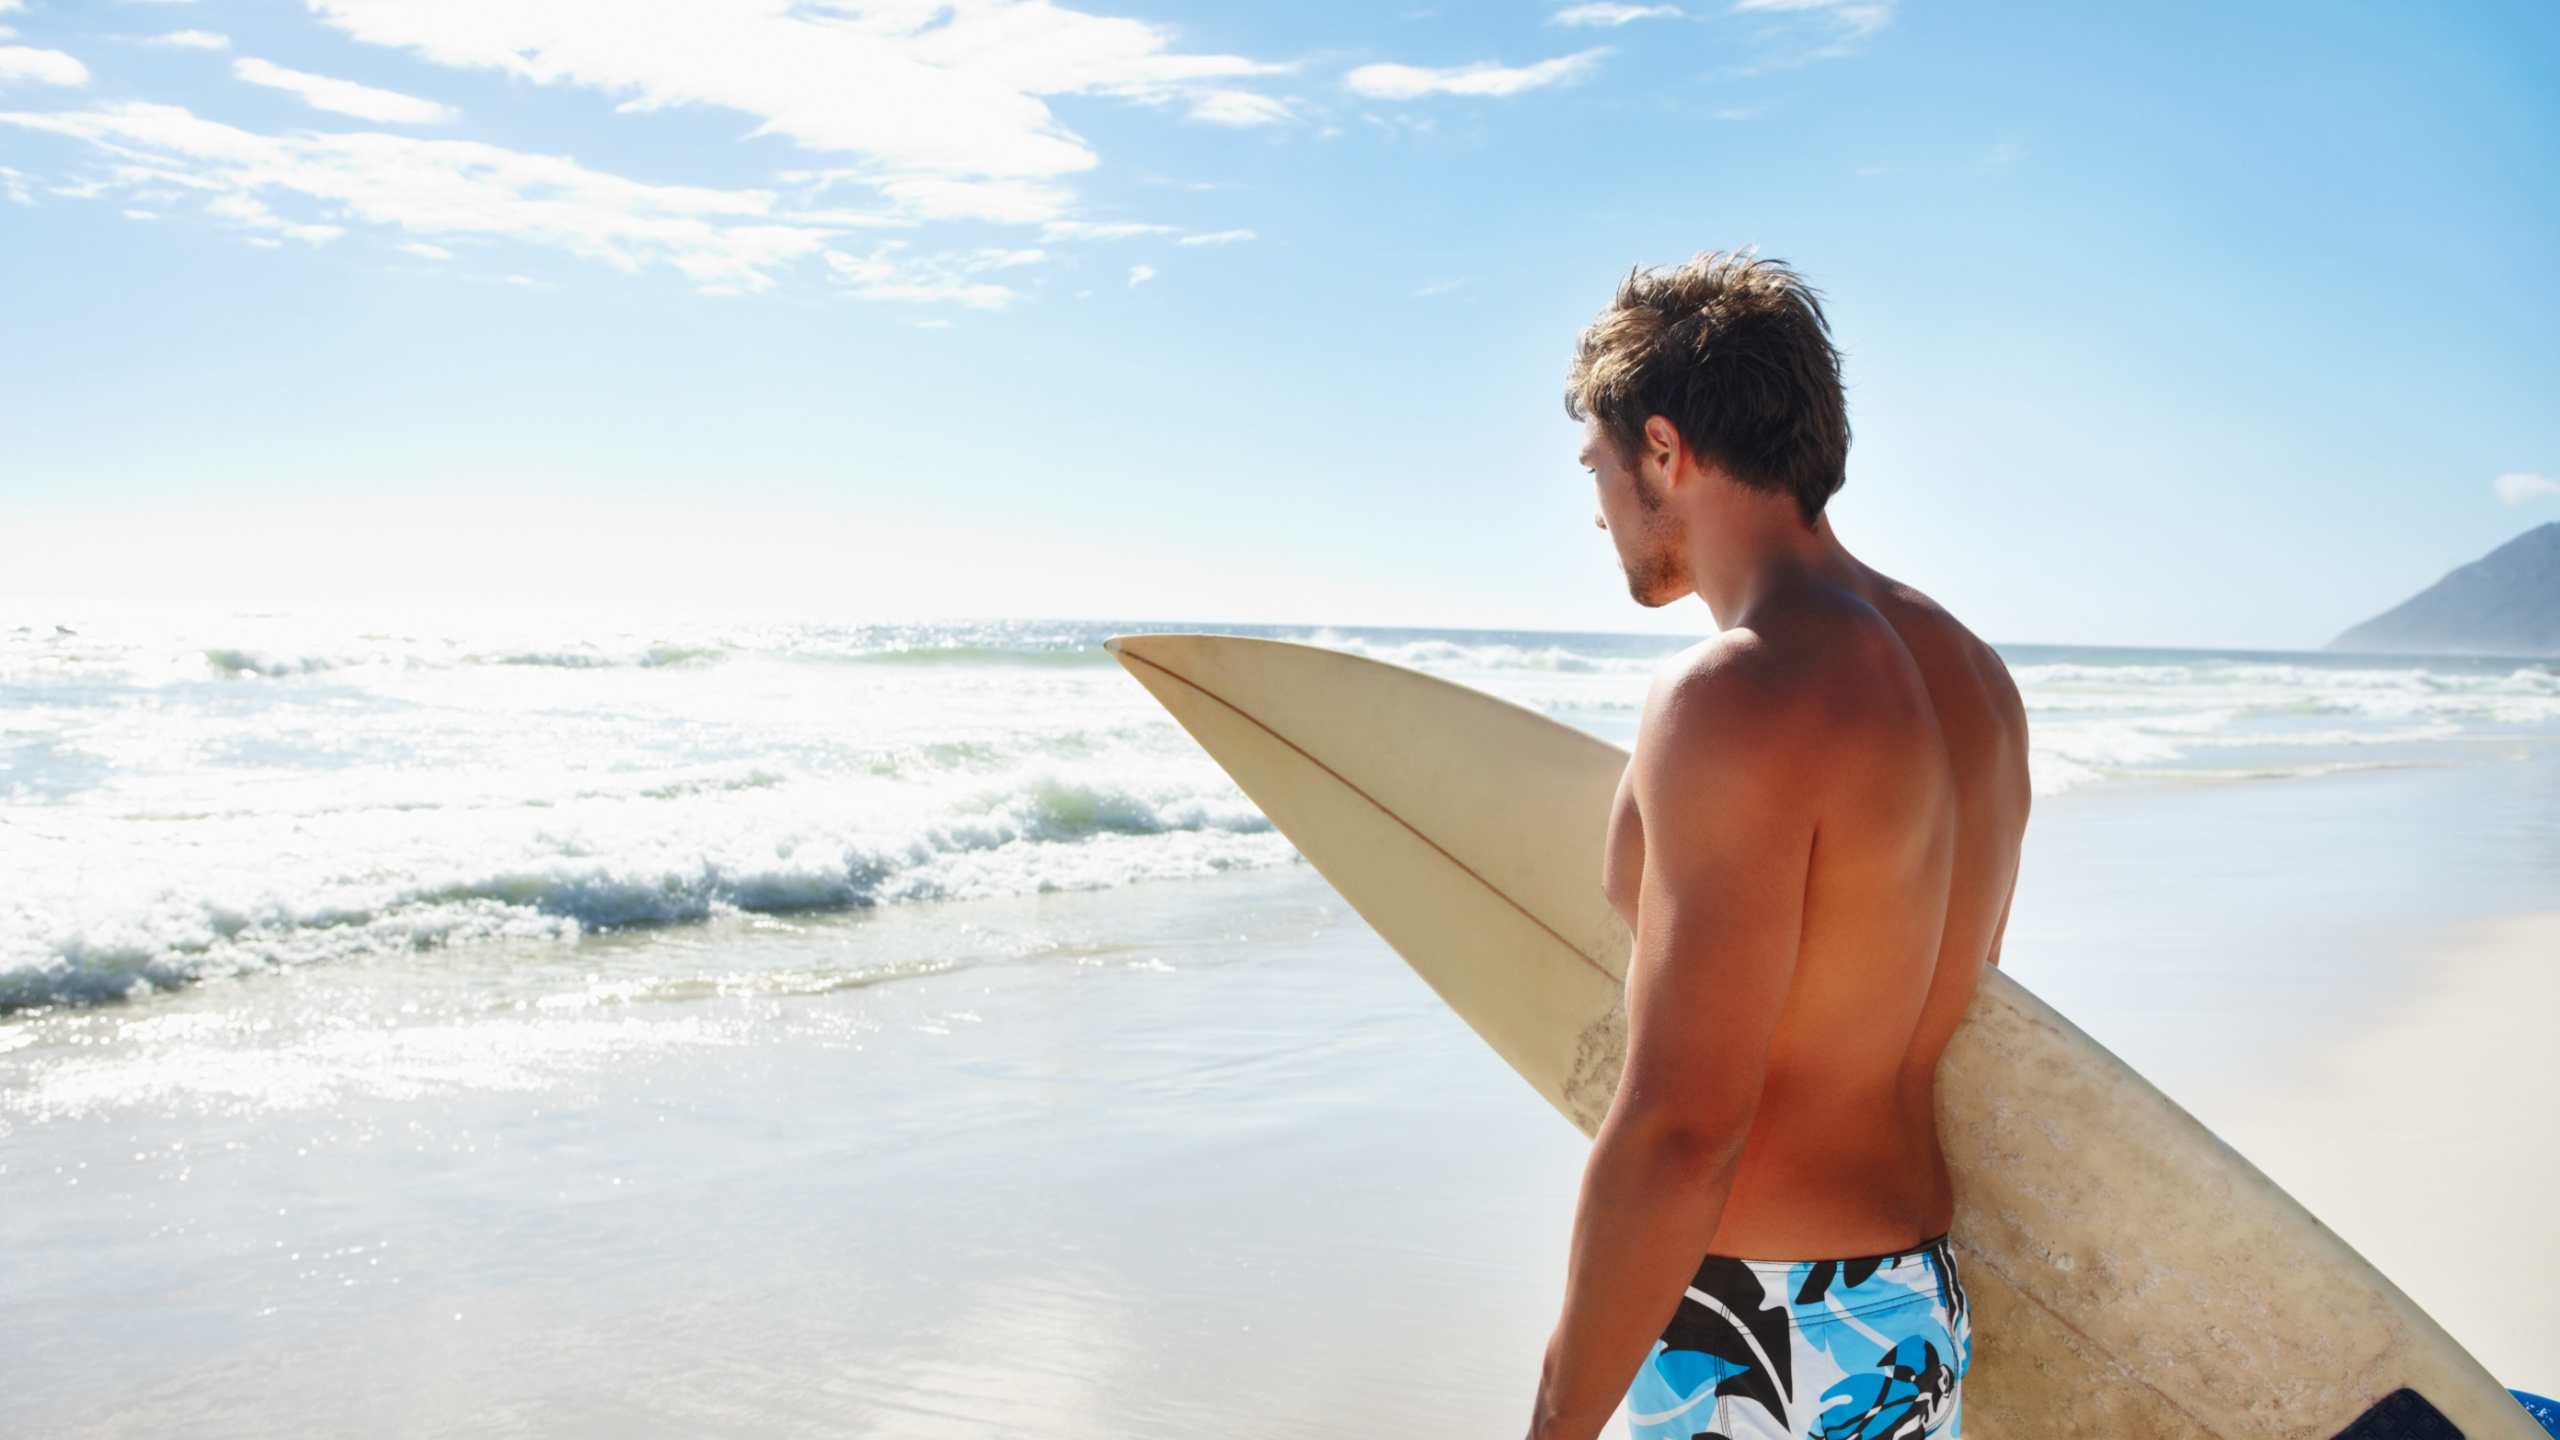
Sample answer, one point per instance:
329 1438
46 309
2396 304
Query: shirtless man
1815 846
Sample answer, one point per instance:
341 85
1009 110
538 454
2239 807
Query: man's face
1650 538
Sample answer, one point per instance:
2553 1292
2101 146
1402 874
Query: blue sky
2171 324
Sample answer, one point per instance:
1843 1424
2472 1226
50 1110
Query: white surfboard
2131 1275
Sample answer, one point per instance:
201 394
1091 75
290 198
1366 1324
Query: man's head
1734 352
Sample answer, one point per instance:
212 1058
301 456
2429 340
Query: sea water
556 1025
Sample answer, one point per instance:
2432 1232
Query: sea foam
206 796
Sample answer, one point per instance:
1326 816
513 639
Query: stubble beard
1658 571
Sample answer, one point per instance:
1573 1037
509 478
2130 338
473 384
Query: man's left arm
1728 828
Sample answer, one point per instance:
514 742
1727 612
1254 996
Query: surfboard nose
1165 650
1184 662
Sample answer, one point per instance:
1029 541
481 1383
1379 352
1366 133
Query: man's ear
1663 448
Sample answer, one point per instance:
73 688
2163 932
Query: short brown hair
1734 351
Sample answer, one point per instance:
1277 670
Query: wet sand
2430 1140
1196 1158
1178 1158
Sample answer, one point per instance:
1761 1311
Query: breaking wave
184 800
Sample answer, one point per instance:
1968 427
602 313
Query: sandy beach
2425 1139
1192 1157
509 1069
1099 1223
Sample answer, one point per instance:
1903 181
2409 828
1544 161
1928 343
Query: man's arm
1728 810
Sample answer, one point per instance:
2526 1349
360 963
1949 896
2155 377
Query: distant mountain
2507 602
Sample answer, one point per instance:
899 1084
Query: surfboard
2131 1275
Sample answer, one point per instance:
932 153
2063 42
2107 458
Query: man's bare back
1814 845
1907 743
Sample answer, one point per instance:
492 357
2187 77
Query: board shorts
1871 1349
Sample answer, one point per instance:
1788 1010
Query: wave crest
674 855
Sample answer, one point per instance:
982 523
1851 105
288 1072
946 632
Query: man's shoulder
1725 741
1752 696
1922 620
1941 643
1819 651
1733 674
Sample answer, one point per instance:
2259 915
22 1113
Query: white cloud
50 67
1100 229
1605 13
1140 275
1408 82
1857 17
1239 108
2518 487
425 251
342 97
944 197
939 108
917 198
190 40
1216 237
721 239
939 97
887 273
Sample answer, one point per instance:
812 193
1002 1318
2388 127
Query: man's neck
1746 545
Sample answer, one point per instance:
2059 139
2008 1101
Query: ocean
475 1023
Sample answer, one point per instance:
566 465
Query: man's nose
1600 519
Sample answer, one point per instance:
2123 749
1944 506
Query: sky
2176 324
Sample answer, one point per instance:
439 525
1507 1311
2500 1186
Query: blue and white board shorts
1872 1349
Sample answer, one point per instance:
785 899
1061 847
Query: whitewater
188 796
458 1024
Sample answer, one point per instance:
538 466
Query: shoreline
1209 1129
2424 1138
1159 1162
